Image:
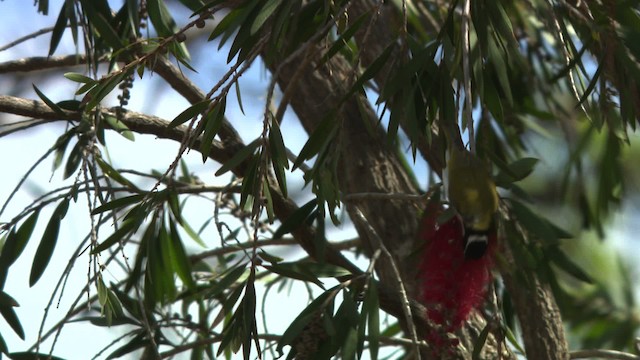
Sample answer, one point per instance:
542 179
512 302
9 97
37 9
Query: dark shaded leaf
296 219
130 224
480 341
294 270
58 28
119 126
138 342
32 356
119 203
319 139
309 313
53 106
561 259
213 121
189 113
9 314
48 242
239 157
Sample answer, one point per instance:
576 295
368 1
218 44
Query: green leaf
304 318
9 314
239 157
230 278
106 31
480 341
49 103
73 161
344 38
189 113
131 223
102 89
179 258
294 270
48 242
565 263
32 356
213 121
114 174
296 219
264 14
119 203
17 241
59 27
533 223
279 159
138 342
320 137
79 78
516 171
119 127
371 306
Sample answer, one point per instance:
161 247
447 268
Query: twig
27 37
466 72
384 196
602 354
406 305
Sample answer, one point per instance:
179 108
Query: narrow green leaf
320 137
296 219
102 89
59 27
127 226
344 38
32 356
49 103
279 159
480 341
16 242
372 307
565 263
79 78
309 313
119 203
106 32
179 258
230 278
516 171
73 161
239 157
138 342
265 13
9 314
114 174
48 242
213 122
294 270
119 127
189 113
3 346
512 339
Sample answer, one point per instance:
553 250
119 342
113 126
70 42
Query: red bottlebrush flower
452 286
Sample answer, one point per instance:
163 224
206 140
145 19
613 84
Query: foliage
516 75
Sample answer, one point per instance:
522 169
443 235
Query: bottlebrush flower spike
452 286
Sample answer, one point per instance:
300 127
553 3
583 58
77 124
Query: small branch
466 34
602 354
27 37
384 196
38 63
406 305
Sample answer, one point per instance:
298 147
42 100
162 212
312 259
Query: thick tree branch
283 207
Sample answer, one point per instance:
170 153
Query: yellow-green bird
472 193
